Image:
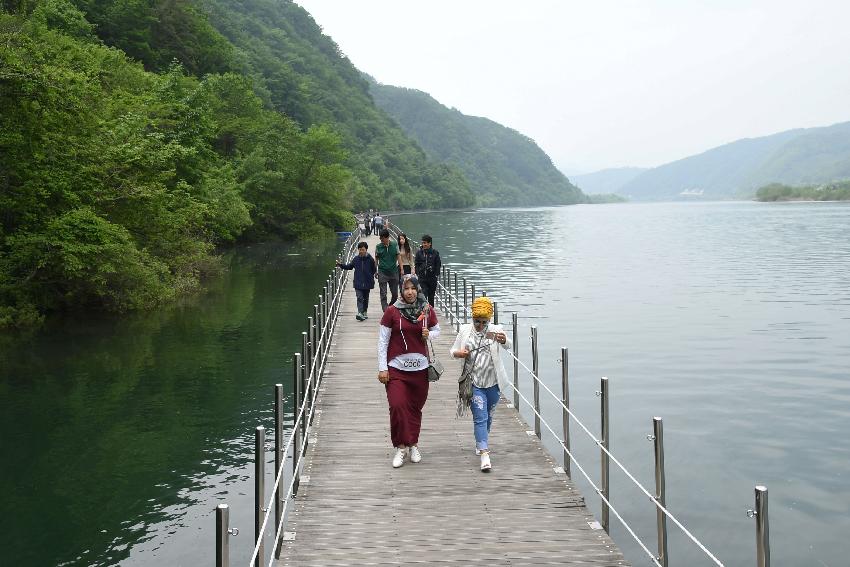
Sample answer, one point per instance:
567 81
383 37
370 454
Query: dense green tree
157 32
837 191
137 136
118 183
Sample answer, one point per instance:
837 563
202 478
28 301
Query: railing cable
334 308
617 462
595 488
599 443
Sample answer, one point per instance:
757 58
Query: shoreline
801 200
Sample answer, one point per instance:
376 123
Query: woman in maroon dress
403 366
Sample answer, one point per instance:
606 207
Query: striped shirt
481 359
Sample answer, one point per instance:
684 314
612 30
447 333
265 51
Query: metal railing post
447 305
259 489
317 339
471 294
457 305
438 297
762 532
496 312
323 322
311 371
465 303
515 339
278 456
314 336
535 365
305 391
327 293
660 489
605 442
320 325
565 398
222 535
296 423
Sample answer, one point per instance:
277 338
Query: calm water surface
119 437
729 320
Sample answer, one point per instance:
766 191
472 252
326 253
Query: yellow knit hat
482 307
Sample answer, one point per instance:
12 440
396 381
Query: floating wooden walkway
355 509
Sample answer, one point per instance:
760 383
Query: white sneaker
477 451
415 455
398 459
485 462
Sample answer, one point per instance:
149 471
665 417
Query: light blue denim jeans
484 402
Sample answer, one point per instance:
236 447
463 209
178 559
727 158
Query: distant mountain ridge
606 180
738 169
504 167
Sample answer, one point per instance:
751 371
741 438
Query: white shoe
477 451
398 459
485 462
415 455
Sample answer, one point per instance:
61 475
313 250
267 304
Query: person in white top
480 344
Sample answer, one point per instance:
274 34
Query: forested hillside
136 136
813 155
306 76
817 155
504 167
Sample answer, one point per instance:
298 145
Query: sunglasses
480 321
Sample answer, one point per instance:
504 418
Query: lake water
729 320
119 437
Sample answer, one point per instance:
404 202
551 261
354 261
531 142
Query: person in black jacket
428 266
364 278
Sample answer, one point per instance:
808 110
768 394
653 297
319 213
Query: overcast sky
607 84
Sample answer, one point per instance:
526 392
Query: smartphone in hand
490 335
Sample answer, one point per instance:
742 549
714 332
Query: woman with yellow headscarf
479 344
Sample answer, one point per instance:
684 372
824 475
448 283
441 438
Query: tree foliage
838 191
117 183
303 74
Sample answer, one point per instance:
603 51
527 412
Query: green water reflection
110 427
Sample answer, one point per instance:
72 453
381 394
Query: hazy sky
605 84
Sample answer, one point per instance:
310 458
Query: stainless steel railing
308 370
456 308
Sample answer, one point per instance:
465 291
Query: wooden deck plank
357 510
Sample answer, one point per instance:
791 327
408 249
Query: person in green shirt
388 262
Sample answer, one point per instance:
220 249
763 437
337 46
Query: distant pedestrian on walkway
427 266
364 278
478 343
406 255
403 366
387 262
367 224
378 223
